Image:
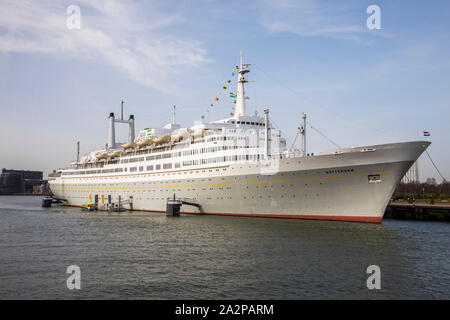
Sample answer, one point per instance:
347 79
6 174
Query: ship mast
173 115
240 95
303 132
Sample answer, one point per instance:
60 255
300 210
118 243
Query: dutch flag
426 133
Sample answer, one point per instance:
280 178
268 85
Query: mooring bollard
46 202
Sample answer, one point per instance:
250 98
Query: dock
173 205
418 211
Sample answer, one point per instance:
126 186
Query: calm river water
137 255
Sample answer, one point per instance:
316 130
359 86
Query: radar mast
240 95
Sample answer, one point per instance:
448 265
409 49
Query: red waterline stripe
286 216
283 216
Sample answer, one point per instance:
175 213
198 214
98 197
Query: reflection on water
149 256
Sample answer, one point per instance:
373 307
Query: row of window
246 122
222 159
201 161
154 157
171 165
95 171
339 171
185 153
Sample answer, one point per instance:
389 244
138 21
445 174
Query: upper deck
203 145
206 145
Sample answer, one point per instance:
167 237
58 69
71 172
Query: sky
358 86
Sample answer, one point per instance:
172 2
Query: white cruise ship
237 166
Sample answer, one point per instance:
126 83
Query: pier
48 201
173 205
418 211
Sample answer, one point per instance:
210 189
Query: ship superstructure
237 166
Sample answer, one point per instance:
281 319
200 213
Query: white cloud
311 18
113 32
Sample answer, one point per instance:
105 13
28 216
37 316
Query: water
149 256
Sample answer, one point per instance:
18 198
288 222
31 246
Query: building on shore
22 182
412 175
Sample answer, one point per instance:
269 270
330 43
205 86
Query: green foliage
423 192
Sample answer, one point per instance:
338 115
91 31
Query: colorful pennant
224 87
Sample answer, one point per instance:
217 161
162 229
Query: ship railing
291 154
151 150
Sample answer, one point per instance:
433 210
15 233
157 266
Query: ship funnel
131 129
112 131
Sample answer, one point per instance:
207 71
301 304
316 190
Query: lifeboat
114 154
144 143
101 156
129 145
162 140
179 136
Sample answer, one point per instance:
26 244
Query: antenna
241 60
173 121
303 132
78 151
266 134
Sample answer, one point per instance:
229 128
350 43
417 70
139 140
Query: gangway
173 205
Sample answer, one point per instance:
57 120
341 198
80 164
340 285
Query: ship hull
349 185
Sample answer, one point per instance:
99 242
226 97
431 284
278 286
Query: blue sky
358 86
